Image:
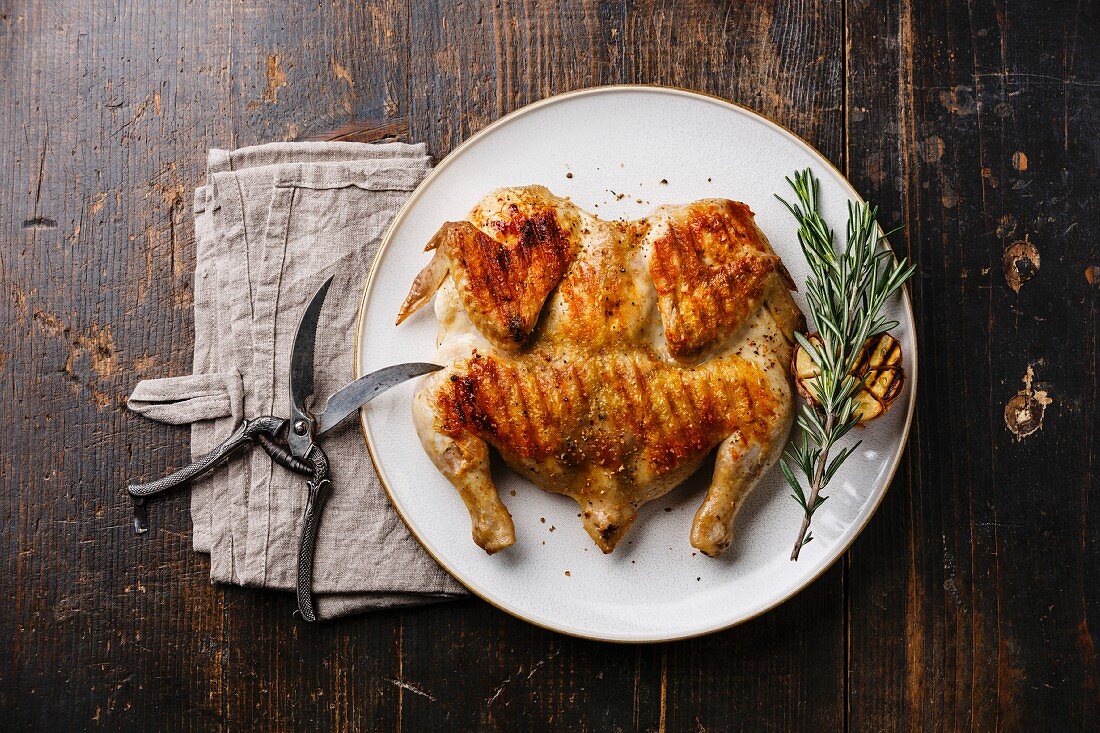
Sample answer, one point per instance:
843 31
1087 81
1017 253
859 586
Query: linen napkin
272 223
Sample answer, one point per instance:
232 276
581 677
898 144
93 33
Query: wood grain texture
965 605
970 594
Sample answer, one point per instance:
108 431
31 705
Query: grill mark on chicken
692 409
541 412
464 408
521 413
710 271
503 284
632 407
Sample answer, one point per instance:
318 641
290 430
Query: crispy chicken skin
503 280
711 267
605 360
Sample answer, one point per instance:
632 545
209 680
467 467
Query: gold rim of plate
911 370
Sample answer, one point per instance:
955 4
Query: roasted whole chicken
605 359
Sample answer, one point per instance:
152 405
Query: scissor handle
319 490
246 432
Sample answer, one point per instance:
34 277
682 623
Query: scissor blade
353 396
301 369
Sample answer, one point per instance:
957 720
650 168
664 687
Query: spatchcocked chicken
605 359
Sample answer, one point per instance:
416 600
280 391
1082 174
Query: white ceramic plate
616 140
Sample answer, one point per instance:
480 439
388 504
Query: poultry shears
291 442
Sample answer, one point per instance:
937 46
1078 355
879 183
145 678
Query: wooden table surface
966 604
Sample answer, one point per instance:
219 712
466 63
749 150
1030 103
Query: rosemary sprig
845 290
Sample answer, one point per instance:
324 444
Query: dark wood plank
971 593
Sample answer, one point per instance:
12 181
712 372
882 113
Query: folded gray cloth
272 223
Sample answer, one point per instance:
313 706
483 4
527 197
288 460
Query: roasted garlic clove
878 367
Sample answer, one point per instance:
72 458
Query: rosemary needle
846 291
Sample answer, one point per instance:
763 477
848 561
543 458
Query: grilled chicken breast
605 359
